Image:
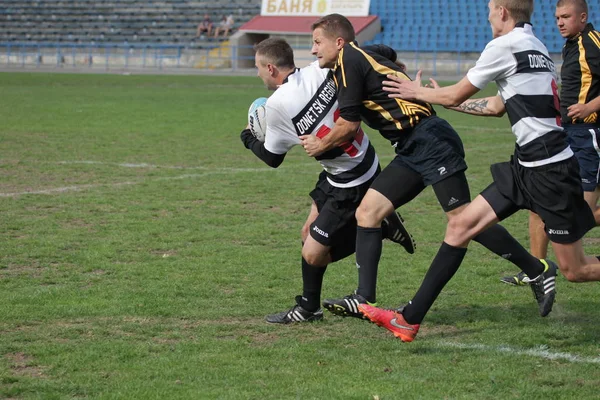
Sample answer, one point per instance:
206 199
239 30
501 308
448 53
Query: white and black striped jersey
526 78
307 104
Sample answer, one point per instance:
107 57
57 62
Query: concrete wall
300 42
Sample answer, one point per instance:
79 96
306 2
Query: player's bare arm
487 107
448 96
342 132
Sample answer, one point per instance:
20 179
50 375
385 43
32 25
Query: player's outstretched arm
486 107
258 148
448 96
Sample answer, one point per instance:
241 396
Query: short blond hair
519 10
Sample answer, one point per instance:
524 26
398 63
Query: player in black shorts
329 233
428 152
579 112
542 175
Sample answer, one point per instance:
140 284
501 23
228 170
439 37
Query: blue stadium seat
114 21
457 25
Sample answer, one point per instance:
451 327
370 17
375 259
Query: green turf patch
142 246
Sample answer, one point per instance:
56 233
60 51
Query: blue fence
106 56
171 57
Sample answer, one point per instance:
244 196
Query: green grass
152 244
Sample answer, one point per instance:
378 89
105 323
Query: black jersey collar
522 24
339 58
588 28
290 74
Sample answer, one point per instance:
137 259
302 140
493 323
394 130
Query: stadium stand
115 21
442 36
455 25
407 25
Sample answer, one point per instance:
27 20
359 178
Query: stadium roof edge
296 25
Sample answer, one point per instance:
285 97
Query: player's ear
503 13
340 42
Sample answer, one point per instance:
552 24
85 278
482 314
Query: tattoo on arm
475 106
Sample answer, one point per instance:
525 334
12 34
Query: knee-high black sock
368 252
497 239
442 269
312 280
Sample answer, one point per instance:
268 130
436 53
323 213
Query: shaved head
580 5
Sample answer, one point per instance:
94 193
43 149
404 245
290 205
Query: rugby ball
257 118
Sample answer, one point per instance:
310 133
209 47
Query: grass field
142 246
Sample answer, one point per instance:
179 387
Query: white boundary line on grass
482 128
76 188
153 166
541 352
202 168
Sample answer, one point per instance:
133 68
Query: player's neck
507 27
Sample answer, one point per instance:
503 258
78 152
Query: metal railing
170 57
106 56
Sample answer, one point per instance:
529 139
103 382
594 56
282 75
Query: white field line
199 167
540 352
460 128
152 166
76 188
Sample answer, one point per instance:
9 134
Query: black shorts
433 150
432 155
336 222
584 140
552 191
400 185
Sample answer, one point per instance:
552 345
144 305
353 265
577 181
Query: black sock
497 239
442 269
342 250
368 252
312 279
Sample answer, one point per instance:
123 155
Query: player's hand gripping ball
257 118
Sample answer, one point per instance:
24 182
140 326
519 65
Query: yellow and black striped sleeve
351 73
589 57
580 73
360 74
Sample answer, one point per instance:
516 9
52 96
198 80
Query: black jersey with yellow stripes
359 76
580 73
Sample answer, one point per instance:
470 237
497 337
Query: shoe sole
548 305
513 283
341 311
549 300
413 244
310 320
